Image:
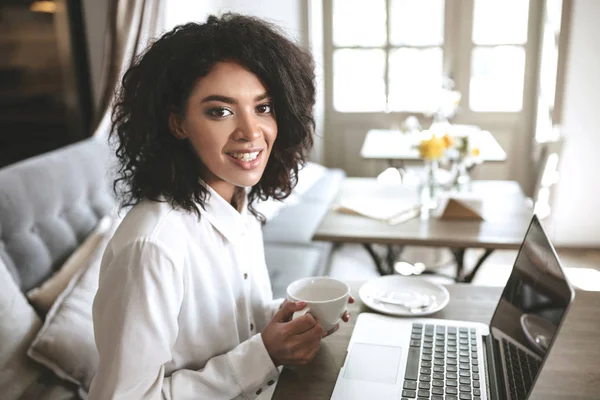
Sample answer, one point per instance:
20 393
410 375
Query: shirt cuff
253 367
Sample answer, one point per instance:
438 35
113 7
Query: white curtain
132 24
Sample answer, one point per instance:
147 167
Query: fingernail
301 304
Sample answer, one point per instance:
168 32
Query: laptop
391 358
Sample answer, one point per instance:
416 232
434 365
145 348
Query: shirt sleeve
135 325
272 308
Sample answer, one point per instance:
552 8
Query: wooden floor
352 262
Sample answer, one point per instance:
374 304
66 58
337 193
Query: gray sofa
289 250
50 203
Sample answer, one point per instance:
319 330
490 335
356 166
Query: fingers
311 335
303 347
331 331
346 316
287 310
301 324
283 303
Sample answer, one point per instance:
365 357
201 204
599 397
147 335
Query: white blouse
181 304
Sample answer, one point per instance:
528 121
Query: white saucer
404 296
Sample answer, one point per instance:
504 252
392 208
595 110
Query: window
387 54
395 55
498 55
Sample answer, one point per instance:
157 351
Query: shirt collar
223 217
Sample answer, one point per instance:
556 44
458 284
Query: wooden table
504 209
393 146
571 371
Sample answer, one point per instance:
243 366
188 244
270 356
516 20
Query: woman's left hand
345 318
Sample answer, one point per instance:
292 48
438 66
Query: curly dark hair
153 164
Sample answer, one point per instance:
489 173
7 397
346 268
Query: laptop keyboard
442 364
521 369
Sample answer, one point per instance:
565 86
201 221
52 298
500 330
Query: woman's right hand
292 342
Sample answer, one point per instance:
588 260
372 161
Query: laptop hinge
495 375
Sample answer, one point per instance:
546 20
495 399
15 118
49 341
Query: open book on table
389 210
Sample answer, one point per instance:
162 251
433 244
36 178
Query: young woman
209 119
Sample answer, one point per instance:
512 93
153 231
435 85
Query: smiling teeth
245 156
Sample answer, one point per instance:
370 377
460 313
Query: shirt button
245 276
271 382
251 327
259 391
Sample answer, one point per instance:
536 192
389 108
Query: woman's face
230 122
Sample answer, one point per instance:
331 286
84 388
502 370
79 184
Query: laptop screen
530 310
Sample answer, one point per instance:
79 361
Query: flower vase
430 186
462 179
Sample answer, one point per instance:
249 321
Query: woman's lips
243 160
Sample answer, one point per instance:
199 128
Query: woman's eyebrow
231 100
216 97
261 96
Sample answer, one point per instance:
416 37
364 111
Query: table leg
385 265
459 257
469 277
379 261
393 255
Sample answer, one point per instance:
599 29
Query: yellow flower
432 148
448 140
475 152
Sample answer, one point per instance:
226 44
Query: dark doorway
45 89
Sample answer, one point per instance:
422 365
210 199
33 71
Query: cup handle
300 313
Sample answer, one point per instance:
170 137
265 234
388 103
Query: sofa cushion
325 189
295 224
65 344
44 296
18 328
48 387
289 250
298 221
308 176
48 205
288 262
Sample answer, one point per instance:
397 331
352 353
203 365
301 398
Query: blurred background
526 71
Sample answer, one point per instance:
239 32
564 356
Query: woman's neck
238 198
232 194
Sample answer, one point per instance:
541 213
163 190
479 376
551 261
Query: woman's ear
175 126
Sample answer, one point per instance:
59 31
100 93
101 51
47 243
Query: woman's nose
248 128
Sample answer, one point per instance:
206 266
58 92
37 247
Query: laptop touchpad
373 363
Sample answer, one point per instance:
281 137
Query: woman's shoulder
155 222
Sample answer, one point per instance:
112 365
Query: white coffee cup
326 299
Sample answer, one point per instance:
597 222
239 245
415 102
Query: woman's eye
219 112
266 108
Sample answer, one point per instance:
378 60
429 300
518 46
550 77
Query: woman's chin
248 180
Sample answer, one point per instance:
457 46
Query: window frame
457 57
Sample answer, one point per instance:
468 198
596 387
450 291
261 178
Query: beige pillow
44 296
65 343
19 324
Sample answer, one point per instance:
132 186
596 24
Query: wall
182 11
575 219
286 14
